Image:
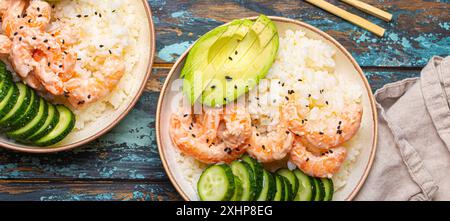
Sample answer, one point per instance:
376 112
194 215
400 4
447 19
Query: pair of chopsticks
355 19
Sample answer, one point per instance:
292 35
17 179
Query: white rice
307 67
114 24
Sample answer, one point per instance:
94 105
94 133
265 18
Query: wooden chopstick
369 9
355 19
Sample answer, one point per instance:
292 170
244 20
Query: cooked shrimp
82 90
271 146
322 165
12 16
326 131
196 136
38 14
5 45
235 130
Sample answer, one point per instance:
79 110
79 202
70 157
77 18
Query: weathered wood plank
128 152
82 191
419 30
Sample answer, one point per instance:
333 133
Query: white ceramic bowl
345 64
106 123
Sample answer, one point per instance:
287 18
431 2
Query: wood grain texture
124 164
91 191
419 29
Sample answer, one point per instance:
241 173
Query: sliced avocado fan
222 66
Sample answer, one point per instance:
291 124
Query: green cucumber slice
279 184
238 189
22 133
50 122
307 189
62 129
329 189
216 183
290 176
257 169
320 190
242 170
268 188
19 108
287 189
30 113
5 85
9 101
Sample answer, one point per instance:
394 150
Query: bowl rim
43 150
321 33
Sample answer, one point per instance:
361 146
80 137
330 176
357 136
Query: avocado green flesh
198 76
244 72
231 66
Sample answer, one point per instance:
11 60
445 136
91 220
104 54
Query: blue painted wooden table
125 164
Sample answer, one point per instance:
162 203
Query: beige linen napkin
413 156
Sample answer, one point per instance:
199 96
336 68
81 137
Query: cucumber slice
329 189
22 133
320 190
287 189
279 184
19 108
268 188
4 73
8 102
306 190
50 122
244 172
238 189
257 171
61 130
290 176
216 183
5 85
30 113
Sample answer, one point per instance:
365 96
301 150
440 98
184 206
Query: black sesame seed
326 102
101 46
15 33
235 52
321 133
20 38
79 59
339 131
79 16
89 96
257 134
46 40
34 38
110 52
207 140
38 9
60 66
21 27
185 115
48 64
287 132
230 58
193 135
331 151
213 86
307 159
228 78
286 98
86 16
235 87
264 147
80 102
39 16
340 122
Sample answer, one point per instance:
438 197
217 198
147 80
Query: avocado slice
243 69
222 74
206 53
